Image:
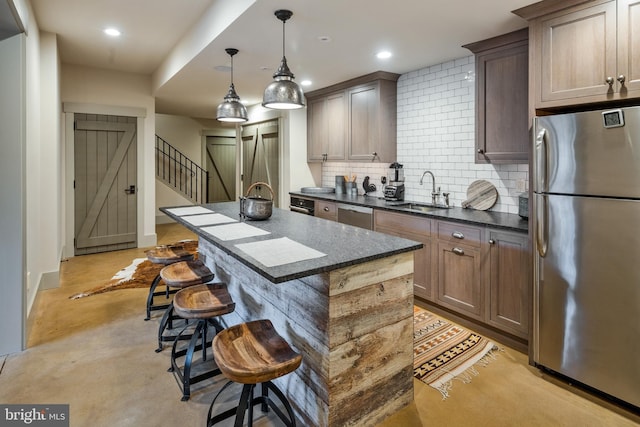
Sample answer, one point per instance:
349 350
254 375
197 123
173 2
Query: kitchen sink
420 207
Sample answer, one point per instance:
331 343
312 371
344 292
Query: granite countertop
494 219
344 245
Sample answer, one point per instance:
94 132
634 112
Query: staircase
180 173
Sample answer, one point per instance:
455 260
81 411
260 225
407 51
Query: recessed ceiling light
384 54
305 82
113 32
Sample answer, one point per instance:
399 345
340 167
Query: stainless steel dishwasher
359 216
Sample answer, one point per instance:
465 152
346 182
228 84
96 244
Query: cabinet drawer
459 233
402 222
326 210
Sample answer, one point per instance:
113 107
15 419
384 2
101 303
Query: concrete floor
97 355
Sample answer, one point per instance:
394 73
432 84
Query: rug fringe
466 376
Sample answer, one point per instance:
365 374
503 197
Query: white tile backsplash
436 132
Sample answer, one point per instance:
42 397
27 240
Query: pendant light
232 110
283 93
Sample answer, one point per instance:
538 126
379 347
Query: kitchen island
340 295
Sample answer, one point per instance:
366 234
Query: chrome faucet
435 195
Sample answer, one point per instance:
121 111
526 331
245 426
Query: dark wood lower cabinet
459 282
477 272
509 284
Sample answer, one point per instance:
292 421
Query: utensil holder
340 184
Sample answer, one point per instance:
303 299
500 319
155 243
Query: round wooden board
481 195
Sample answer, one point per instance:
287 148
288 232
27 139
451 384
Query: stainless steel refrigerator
586 213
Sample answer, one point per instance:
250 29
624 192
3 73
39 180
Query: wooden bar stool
204 303
180 275
253 353
185 250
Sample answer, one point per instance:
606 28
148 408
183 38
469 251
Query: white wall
34 158
12 194
98 88
50 199
44 209
32 207
184 134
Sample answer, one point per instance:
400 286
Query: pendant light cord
283 36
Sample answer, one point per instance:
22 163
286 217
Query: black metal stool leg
166 318
285 402
152 289
186 379
174 350
245 403
219 417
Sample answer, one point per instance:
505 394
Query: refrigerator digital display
613 118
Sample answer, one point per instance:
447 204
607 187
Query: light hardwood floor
97 354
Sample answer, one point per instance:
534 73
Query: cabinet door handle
492 242
609 81
457 251
480 150
458 235
326 209
621 79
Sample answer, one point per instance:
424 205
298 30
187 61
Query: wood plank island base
349 312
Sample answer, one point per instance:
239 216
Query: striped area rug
443 351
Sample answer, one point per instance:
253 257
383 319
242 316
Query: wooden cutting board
481 195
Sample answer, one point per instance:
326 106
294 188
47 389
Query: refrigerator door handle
542 207
540 159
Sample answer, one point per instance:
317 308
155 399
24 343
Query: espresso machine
394 190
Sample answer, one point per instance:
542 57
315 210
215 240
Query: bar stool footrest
248 401
184 373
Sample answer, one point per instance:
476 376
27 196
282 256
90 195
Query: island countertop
343 245
349 312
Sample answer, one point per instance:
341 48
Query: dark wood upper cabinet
354 120
583 52
502 116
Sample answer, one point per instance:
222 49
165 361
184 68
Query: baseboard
31 319
164 219
148 240
50 280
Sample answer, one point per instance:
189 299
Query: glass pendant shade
283 93
231 109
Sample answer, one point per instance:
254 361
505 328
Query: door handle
541 225
457 251
540 158
130 190
457 235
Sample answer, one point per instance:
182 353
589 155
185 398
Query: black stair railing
178 171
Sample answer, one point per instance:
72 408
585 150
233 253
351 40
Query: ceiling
181 43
